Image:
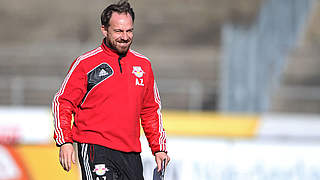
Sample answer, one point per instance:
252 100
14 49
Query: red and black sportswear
108 94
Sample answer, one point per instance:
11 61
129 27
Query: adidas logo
103 73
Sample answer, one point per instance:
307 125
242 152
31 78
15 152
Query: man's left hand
160 156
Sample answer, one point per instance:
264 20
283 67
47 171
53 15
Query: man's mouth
123 44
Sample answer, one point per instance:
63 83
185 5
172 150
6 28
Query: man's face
120 32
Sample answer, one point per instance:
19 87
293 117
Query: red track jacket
108 95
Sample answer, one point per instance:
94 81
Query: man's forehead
120 18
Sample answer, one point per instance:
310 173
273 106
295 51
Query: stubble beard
120 50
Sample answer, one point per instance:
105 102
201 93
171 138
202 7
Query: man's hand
160 156
67 155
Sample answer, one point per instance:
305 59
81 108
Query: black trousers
102 163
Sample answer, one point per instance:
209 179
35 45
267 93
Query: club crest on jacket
137 70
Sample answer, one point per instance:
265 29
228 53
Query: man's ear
104 30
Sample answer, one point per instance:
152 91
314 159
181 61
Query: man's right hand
66 156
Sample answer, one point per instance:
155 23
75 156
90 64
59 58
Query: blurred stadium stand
40 39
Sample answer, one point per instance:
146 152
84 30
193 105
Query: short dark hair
123 6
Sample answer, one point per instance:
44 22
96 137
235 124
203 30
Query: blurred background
239 83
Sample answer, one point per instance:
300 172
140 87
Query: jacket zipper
120 57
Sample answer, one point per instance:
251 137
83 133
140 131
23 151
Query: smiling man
109 91
118 32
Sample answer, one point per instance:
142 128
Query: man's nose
124 36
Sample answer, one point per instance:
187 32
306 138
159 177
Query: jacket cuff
59 145
159 151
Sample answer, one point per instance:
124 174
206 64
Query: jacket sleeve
151 117
66 101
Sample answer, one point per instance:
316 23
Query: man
107 91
